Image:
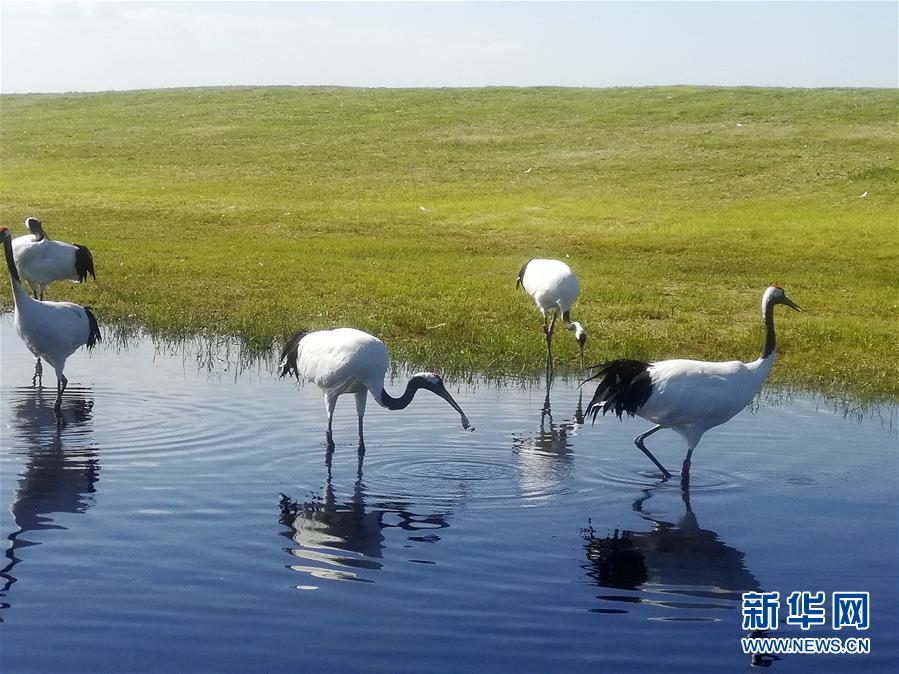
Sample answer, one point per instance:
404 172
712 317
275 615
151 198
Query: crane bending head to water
346 360
554 288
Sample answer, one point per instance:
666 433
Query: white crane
554 288
687 396
41 261
51 330
346 360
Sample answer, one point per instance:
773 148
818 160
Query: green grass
408 213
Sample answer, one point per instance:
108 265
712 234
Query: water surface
187 517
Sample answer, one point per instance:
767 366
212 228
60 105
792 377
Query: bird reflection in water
671 558
545 458
342 537
60 472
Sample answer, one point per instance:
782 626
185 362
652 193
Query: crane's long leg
685 492
548 331
330 404
546 337
61 383
639 442
360 457
361 397
685 469
38 379
329 455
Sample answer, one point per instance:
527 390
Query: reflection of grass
409 212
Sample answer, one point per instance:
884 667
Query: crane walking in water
346 360
41 261
687 396
554 288
51 330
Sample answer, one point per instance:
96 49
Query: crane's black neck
10 261
403 401
770 343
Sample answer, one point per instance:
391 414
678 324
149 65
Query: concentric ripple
153 426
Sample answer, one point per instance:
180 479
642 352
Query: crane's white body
692 396
40 263
51 330
343 360
687 396
551 284
554 288
346 360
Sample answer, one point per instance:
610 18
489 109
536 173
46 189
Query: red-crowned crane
41 261
346 360
554 288
687 396
51 330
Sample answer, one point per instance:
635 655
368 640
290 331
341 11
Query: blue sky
92 46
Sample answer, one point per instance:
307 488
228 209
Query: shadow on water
546 458
343 536
60 472
670 558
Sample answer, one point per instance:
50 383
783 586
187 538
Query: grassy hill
258 211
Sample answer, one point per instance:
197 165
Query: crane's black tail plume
84 263
624 387
288 363
94 334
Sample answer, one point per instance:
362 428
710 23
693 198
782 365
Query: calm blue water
184 519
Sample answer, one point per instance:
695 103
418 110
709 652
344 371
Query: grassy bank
409 212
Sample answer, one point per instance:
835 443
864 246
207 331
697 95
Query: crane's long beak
790 303
443 393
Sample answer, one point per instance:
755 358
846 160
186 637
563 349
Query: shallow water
184 519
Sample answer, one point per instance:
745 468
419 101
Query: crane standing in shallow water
554 288
41 261
346 360
687 396
51 330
